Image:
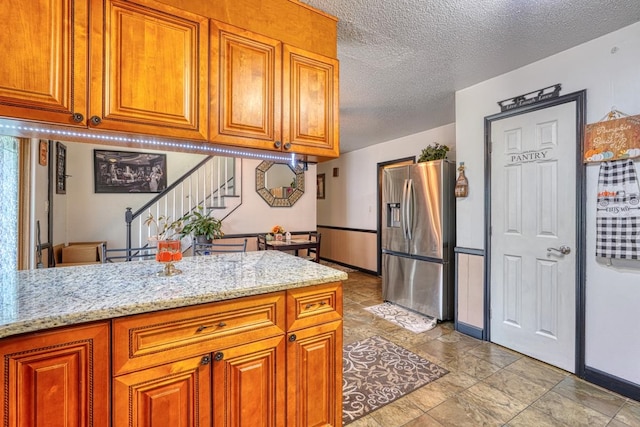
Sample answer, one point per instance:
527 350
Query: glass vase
168 253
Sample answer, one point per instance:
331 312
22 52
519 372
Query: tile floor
487 385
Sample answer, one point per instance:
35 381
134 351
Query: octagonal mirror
279 184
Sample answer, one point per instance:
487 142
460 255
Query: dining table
292 245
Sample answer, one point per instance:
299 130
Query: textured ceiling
401 61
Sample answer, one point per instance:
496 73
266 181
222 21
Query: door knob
564 249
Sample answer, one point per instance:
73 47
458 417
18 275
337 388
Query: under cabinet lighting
199 147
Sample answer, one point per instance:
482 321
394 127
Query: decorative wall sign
530 98
43 152
614 139
61 168
129 172
320 186
527 156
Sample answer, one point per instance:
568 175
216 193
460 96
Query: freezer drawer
419 285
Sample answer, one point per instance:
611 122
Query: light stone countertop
40 299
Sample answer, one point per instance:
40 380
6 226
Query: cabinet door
58 378
314 376
310 103
44 49
173 395
249 385
245 88
148 69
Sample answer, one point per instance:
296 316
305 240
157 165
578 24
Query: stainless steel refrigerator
418 237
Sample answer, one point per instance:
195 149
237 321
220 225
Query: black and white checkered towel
618 215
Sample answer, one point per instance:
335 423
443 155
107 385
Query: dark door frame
580 98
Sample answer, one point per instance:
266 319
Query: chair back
214 248
262 242
314 253
131 254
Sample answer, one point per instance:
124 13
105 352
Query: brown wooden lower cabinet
314 376
56 378
177 394
225 364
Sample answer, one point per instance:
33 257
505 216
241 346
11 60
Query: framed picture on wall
61 168
43 150
320 186
129 172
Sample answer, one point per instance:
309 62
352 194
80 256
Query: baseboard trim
363 270
613 383
472 331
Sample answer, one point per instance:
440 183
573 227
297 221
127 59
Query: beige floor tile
424 420
516 386
496 403
629 414
537 372
470 365
460 411
397 413
436 392
569 412
495 354
532 417
590 395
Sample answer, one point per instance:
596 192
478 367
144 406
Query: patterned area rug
415 322
378 372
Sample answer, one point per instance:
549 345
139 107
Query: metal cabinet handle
205 360
77 117
95 120
277 144
292 337
564 249
203 327
287 145
218 356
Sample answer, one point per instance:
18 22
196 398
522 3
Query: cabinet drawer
150 339
313 305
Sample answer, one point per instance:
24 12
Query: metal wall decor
530 98
61 168
290 194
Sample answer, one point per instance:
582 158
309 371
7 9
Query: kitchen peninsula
245 339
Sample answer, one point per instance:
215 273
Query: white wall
83 215
611 79
351 198
256 216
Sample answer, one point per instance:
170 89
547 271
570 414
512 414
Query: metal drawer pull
308 306
218 356
564 249
203 327
205 360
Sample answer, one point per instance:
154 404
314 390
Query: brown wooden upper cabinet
268 95
148 69
147 72
44 75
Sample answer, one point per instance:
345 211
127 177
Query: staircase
215 184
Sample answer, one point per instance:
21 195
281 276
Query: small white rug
415 322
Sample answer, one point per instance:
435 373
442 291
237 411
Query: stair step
217 207
230 195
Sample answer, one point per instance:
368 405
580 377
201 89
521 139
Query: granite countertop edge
43 319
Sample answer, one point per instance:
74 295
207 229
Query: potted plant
433 152
203 227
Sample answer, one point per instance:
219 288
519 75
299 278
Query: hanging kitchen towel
618 215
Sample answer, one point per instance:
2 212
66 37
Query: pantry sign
612 140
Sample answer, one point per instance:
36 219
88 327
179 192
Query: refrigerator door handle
409 209
403 208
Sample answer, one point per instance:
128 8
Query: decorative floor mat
377 372
415 322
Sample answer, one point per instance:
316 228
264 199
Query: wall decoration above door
616 137
61 168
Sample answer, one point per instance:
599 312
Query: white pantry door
533 208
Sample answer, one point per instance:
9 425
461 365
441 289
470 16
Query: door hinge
490 147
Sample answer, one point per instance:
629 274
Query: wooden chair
313 254
131 254
262 242
216 248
